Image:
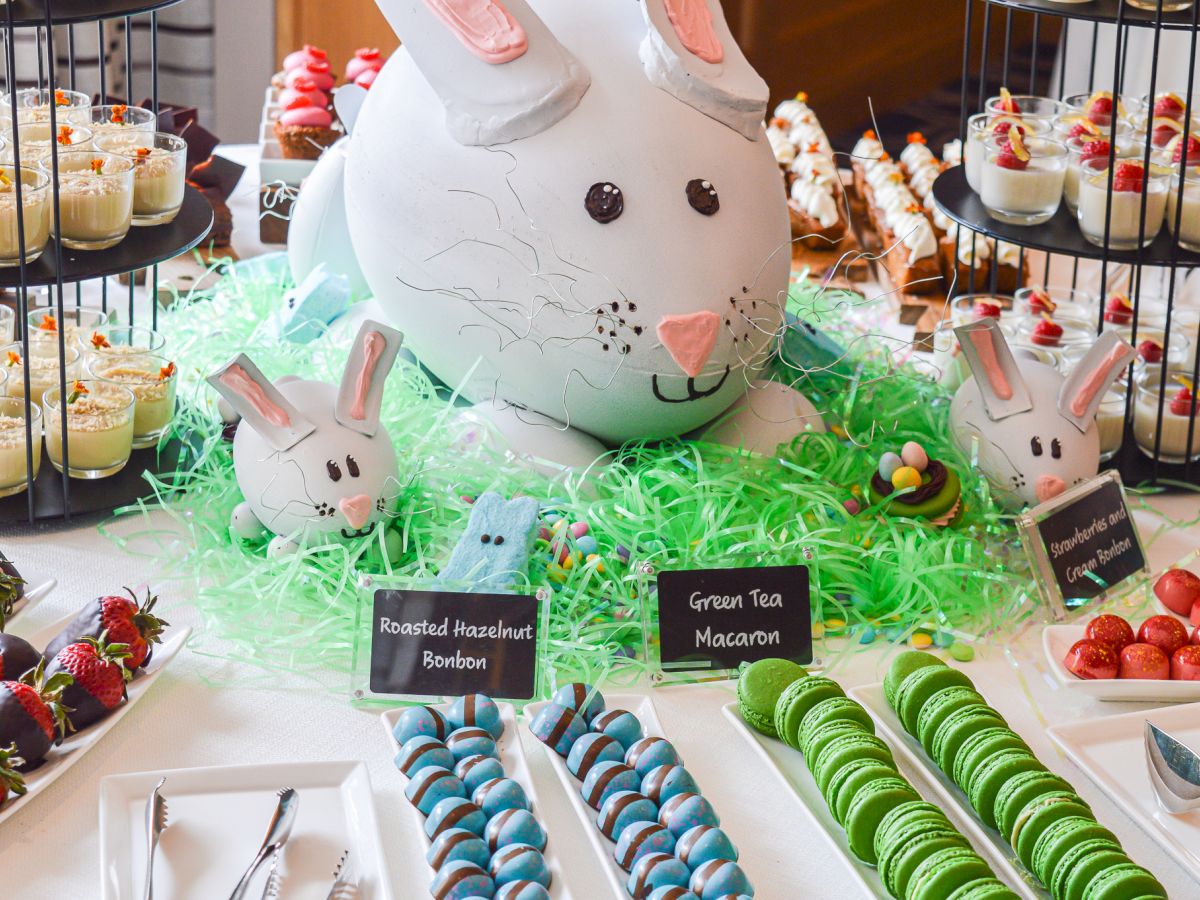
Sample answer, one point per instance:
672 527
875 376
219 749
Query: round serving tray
1100 11
143 247
29 13
1060 235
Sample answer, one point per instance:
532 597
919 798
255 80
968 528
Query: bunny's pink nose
1048 486
690 339
356 510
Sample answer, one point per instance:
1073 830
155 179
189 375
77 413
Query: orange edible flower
60 98
802 96
915 137
914 208
118 114
98 166
814 147
78 389
14 358
166 371
64 134
870 134
99 341
780 123
49 323
143 152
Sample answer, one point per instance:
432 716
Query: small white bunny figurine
1035 430
311 459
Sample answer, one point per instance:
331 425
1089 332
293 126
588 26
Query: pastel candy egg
557 727
639 839
664 782
475 770
522 890
620 724
471 741
430 786
421 751
906 477
587 545
514 826
499 794
606 779
704 843
623 809
685 811
420 720
888 464
520 862
590 749
579 529
458 843
672 892
476 710
655 870
914 455
720 878
455 812
460 880
650 753
580 698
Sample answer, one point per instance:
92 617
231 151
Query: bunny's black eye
485 538
334 470
703 197
1035 444
604 202
499 540
352 466
1056 448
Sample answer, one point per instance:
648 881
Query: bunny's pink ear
690 53
499 72
260 404
1084 389
991 362
361 393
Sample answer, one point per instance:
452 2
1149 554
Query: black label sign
1091 543
720 618
435 644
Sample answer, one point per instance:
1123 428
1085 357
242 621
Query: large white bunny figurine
571 208
1035 431
312 459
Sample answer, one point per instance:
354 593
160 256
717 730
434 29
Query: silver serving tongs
1174 771
156 824
345 881
277 835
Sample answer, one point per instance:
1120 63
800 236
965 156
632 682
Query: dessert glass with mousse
1131 184
983 126
43 370
37 139
99 427
1110 420
35 214
1058 333
120 341
96 199
33 105
1099 107
44 323
14 463
159 164
151 378
1024 105
1188 231
1080 149
1180 412
115 118
1022 178
1057 301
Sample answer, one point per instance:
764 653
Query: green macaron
867 809
940 705
979 747
842 750
1123 882
831 711
954 731
821 738
903 666
901 859
1039 815
849 779
984 889
917 689
1080 862
984 783
945 871
758 690
1019 791
796 700
911 816
1059 837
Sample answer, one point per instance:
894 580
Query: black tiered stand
52 494
1061 235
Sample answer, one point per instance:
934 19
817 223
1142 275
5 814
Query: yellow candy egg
906 477
920 640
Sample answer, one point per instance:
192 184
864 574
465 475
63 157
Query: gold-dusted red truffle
1110 630
1166 633
1144 661
1091 659
1185 663
1178 590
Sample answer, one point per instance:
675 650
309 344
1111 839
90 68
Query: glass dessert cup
43 370
1028 195
120 341
967 308
96 197
1075 146
1030 106
1127 106
979 131
1024 350
114 118
1110 420
1188 232
35 214
33 105
99 428
43 323
1068 303
8 323
1075 333
14 463
1173 445
159 162
1124 225
151 378
37 139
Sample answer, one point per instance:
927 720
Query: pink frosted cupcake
304 87
309 53
365 59
318 73
366 78
304 130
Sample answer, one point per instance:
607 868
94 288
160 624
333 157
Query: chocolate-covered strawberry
11 782
32 716
17 656
125 621
100 676
12 588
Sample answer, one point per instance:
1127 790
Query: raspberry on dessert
1096 149
986 310
1040 302
1164 130
1118 310
1046 333
1193 150
1129 177
1181 403
1003 126
1169 106
1150 351
1007 103
1100 107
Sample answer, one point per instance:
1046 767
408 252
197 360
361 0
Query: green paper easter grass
674 503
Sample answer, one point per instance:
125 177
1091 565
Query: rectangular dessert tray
1057 640
37 588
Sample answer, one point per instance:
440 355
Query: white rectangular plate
1057 640
69 752
1112 751
516 767
217 819
37 588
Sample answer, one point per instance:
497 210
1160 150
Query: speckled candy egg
471 741
719 878
672 892
639 839
650 753
458 843
590 749
655 870
455 812
582 698
623 809
420 720
685 811
620 724
460 880
888 464
475 770
914 455
499 794
421 751
430 786
522 890
520 862
664 782
557 727
704 843
514 826
606 779
476 710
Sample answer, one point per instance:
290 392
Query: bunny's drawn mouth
362 532
693 394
